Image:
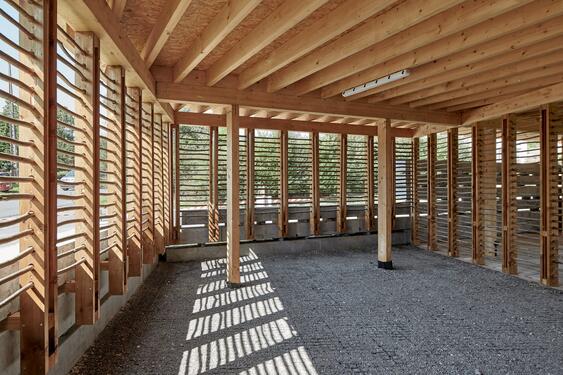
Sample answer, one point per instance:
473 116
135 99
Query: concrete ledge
313 244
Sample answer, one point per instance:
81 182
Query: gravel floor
334 314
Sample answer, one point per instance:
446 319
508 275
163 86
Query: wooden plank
549 250
87 299
523 102
342 18
284 194
287 15
384 206
233 192
213 205
228 18
369 218
170 15
509 250
374 30
115 155
249 209
351 71
134 139
38 337
431 193
315 218
173 92
452 192
477 253
415 211
341 213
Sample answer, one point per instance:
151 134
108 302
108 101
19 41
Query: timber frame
99 155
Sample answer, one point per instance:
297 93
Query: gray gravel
334 313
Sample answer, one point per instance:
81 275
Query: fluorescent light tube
376 83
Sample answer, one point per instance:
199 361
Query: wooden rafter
278 22
428 32
373 31
336 22
169 17
227 19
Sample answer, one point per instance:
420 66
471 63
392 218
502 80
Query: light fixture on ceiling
376 83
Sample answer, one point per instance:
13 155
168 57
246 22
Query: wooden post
394 184
509 251
452 191
167 186
115 126
478 256
415 211
315 218
341 211
87 299
432 239
249 209
134 182
38 304
284 198
385 185
213 205
369 218
549 272
147 135
233 191
177 219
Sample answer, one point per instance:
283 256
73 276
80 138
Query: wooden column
177 219
233 191
341 210
38 301
452 191
213 205
509 264
116 149
385 194
549 272
315 217
147 135
369 218
284 194
167 197
249 209
394 186
478 252
415 210
432 240
87 299
135 159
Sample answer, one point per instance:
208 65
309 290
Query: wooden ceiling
280 58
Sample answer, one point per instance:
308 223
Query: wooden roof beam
118 6
520 103
427 76
375 30
167 20
287 15
493 78
174 92
345 16
289 125
221 26
369 68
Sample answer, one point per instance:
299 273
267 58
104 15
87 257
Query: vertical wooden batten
213 205
549 274
432 240
509 254
284 197
385 195
233 191
452 192
249 209
342 209
415 211
369 216
315 217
